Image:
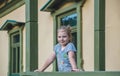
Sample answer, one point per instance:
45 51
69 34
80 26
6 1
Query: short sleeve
56 47
71 47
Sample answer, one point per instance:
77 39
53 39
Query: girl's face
63 38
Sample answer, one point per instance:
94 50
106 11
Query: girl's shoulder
57 46
70 47
70 44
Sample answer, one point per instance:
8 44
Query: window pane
18 59
69 20
14 60
16 38
74 39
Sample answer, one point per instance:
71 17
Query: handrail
89 73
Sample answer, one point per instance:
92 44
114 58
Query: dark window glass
18 59
69 20
16 38
14 60
74 39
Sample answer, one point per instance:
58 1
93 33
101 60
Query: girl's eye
59 36
64 36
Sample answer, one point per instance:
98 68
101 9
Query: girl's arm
50 59
71 56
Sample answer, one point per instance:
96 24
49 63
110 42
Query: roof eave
8 24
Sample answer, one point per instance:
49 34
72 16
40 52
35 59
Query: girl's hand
37 70
77 70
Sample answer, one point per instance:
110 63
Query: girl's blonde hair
66 29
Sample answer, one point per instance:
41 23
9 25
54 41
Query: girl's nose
61 38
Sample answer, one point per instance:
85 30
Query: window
67 15
15 52
73 18
15 37
70 19
15 33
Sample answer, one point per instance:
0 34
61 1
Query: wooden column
79 35
31 34
99 35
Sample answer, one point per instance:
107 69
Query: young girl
64 51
